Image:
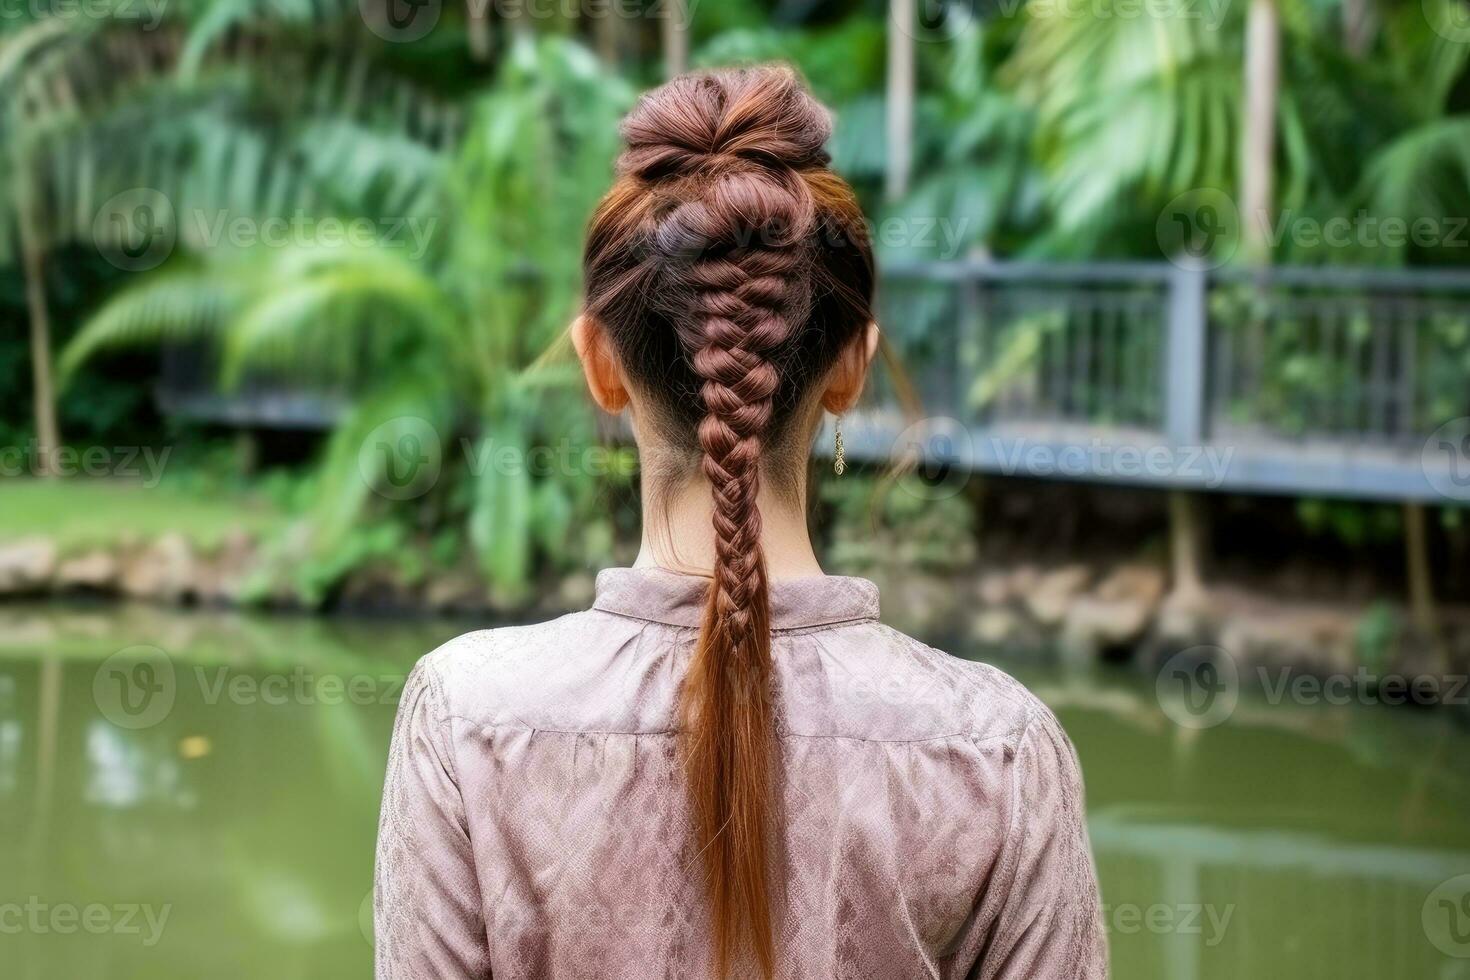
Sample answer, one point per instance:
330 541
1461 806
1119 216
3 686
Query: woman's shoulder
593 671
556 675
872 681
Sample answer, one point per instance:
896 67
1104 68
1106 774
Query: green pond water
212 814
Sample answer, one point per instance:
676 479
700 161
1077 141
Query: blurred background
1181 292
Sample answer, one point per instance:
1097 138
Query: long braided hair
730 267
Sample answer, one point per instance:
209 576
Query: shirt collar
661 596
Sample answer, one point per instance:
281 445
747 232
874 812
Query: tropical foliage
435 329
471 156
1133 110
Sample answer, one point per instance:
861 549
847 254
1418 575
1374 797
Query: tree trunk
48 432
676 38
1258 158
608 29
477 13
1184 544
1258 145
900 102
1421 586
1359 25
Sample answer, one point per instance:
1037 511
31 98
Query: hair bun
705 121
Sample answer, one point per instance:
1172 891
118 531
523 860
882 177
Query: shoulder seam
970 734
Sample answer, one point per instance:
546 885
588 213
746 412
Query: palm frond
169 307
1425 172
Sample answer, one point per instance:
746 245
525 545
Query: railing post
1184 361
967 350
1184 412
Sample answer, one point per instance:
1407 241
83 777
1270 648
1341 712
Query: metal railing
1316 381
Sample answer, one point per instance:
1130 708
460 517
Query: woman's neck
678 533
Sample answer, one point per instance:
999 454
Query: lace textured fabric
535 826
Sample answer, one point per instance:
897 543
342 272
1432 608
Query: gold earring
839 455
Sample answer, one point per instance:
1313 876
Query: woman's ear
604 379
845 384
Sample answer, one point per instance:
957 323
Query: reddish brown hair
730 267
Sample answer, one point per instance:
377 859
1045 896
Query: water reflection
233 836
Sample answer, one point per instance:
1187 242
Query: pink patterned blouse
534 822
